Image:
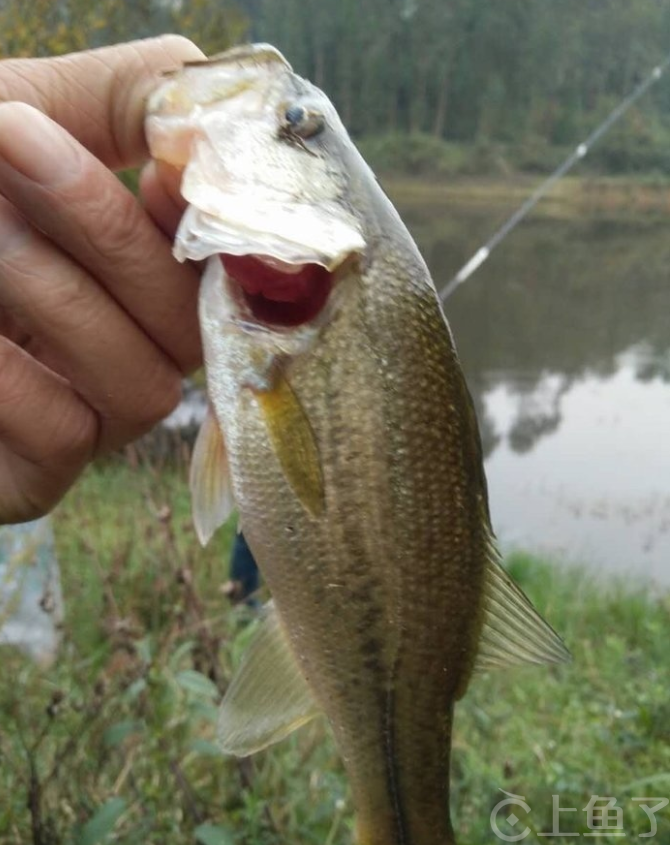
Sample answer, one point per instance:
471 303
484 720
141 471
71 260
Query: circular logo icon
499 811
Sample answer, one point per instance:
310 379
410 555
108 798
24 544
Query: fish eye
302 122
294 115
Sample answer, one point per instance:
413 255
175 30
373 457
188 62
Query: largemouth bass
343 432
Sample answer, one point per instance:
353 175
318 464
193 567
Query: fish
342 431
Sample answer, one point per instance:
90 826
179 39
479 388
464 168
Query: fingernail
36 146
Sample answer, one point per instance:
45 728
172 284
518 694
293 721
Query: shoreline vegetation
421 169
116 741
572 195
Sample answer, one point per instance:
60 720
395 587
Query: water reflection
565 339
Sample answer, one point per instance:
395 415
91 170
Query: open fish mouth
278 293
283 276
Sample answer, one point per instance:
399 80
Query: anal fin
268 697
513 633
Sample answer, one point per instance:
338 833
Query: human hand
98 323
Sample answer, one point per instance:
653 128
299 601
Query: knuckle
63 299
40 499
74 438
163 398
114 221
35 506
25 75
69 426
15 231
12 368
23 504
168 397
40 493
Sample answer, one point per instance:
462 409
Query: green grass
115 742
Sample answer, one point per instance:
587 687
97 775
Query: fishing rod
576 155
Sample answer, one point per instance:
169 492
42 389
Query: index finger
99 95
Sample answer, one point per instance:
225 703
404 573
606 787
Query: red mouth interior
280 298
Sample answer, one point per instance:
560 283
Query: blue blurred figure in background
244 575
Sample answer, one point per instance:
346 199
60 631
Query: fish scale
348 443
397 537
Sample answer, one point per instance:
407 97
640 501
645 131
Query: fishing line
576 155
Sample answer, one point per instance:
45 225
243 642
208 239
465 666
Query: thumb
98 95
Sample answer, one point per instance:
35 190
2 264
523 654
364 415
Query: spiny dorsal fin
268 697
294 444
514 633
209 479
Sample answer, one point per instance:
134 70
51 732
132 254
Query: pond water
564 336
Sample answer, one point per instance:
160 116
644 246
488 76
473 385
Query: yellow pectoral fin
294 444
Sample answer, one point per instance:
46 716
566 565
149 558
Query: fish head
264 157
